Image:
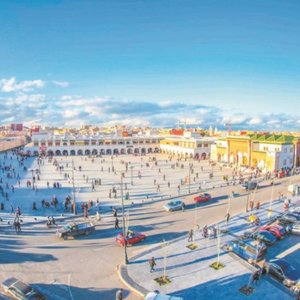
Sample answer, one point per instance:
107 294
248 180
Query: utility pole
248 197
124 227
131 168
73 183
189 178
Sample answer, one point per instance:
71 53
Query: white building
189 144
91 145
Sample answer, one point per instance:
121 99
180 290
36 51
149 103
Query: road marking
69 281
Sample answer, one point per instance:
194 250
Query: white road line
69 288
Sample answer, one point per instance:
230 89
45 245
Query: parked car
202 198
74 229
20 290
249 185
158 296
275 229
295 228
288 218
175 204
248 249
263 235
131 238
282 271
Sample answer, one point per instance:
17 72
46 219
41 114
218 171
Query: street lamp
131 168
190 166
124 227
247 202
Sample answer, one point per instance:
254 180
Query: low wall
6 144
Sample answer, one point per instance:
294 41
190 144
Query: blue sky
74 62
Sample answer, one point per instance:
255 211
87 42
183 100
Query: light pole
131 168
124 227
73 183
189 178
247 202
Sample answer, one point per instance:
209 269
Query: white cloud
11 85
63 84
255 121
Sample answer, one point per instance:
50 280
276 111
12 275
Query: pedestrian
251 205
204 231
214 232
183 206
227 217
190 235
152 263
117 223
255 277
119 294
257 205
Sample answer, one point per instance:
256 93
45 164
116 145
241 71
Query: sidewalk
190 272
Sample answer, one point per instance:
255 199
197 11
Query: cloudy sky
156 63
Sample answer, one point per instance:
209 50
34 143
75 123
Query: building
101 144
268 152
187 144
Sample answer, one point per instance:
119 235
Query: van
248 249
294 189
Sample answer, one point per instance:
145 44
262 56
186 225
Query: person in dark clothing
117 223
152 263
119 294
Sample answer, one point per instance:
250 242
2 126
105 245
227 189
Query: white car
157 296
176 204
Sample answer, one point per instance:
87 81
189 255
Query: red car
131 238
277 230
202 198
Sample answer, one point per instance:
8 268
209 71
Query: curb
127 280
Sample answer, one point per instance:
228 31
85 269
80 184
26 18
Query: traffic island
217 265
162 280
247 290
192 246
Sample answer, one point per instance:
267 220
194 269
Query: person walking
152 264
251 205
257 205
183 206
255 277
117 223
119 294
227 218
190 235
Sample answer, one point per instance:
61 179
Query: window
86 142
205 145
285 150
50 143
199 145
93 142
284 162
35 143
57 143
72 143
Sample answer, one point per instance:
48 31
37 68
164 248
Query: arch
196 156
143 151
129 151
50 153
87 152
156 150
149 150
254 162
203 156
102 152
108 151
94 152
65 153
80 152
36 153
72 152
245 160
123 151
65 144
57 152
116 151
136 150
191 155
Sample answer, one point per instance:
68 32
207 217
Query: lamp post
247 202
131 168
190 177
32 174
73 183
124 227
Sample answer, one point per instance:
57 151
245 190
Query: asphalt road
84 268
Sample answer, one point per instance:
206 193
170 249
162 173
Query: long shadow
62 291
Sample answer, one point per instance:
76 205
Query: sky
151 63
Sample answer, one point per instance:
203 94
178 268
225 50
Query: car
282 271
73 229
294 228
275 229
20 290
158 296
288 218
263 235
249 185
173 205
202 198
131 238
248 249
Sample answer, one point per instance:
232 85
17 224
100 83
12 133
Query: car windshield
267 235
68 227
22 287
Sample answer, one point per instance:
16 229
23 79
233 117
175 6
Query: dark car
288 218
248 249
249 185
74 229
282 271
20 290
202 198
264 236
